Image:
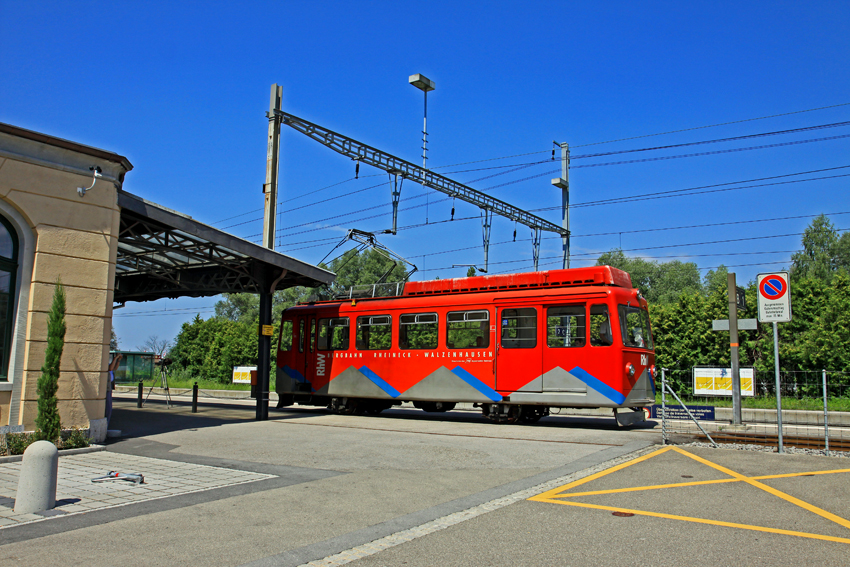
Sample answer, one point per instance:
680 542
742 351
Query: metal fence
812 411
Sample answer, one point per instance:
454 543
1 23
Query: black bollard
141 393
195 398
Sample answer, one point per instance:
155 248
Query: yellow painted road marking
696 483
778 493
560 494
704 521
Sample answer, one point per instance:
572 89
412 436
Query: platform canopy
163 253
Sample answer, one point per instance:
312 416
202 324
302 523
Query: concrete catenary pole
733 344
270 187
564 183
267 292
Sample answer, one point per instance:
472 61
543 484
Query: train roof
593 275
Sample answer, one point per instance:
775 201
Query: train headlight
630 370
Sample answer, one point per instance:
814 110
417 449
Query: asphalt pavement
411 488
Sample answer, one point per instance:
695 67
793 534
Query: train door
519 362
302 351
565 349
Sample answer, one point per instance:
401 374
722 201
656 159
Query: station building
107 247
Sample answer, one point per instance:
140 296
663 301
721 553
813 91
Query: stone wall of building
74 239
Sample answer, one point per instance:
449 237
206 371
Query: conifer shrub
47 419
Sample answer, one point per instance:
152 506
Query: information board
700 413
718 381
242 374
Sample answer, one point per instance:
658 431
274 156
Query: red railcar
515 344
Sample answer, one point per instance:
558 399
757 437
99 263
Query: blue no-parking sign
774 298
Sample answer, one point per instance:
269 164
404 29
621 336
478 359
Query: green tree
826 342
818 257
715 279
659 282
47 420
470 272
364 268
245 307
842 253
210 349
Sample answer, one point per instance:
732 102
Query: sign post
774 300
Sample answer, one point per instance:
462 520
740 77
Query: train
514 345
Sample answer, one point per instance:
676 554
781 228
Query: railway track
773 441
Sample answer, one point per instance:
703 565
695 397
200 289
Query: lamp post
424 84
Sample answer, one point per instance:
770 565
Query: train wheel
374 407
344 406
532 414
501 413
435 407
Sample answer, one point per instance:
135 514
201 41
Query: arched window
8 273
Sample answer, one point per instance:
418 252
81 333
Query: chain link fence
814 414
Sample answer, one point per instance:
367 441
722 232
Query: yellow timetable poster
718 381
242 374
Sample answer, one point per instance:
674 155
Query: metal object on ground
137 478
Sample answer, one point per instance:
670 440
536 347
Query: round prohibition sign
773 287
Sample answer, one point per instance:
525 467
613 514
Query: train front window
519 328
418 331
285 335
634 326
301 335
565 326
468 329
333 333
600 326
374 333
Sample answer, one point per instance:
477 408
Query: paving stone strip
449 520
76 493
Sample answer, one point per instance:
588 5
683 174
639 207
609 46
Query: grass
187 383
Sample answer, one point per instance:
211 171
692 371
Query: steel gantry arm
397 166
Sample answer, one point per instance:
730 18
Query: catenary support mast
396 166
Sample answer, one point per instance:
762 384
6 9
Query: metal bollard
37 483
141 393
195 398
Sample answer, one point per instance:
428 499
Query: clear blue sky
181 89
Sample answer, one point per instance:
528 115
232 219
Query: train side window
600 326
374 333
519 328
468 329
333 333
285 335
634 327
301 335
418 331
565 326
312 335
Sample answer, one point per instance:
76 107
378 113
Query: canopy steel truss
162 253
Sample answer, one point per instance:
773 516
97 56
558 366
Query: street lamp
424 84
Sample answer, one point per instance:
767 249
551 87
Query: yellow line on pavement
560 494
695 483
704 521
787 497
556 491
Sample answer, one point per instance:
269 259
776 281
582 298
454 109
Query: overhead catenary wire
522 166
546 151
618 200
